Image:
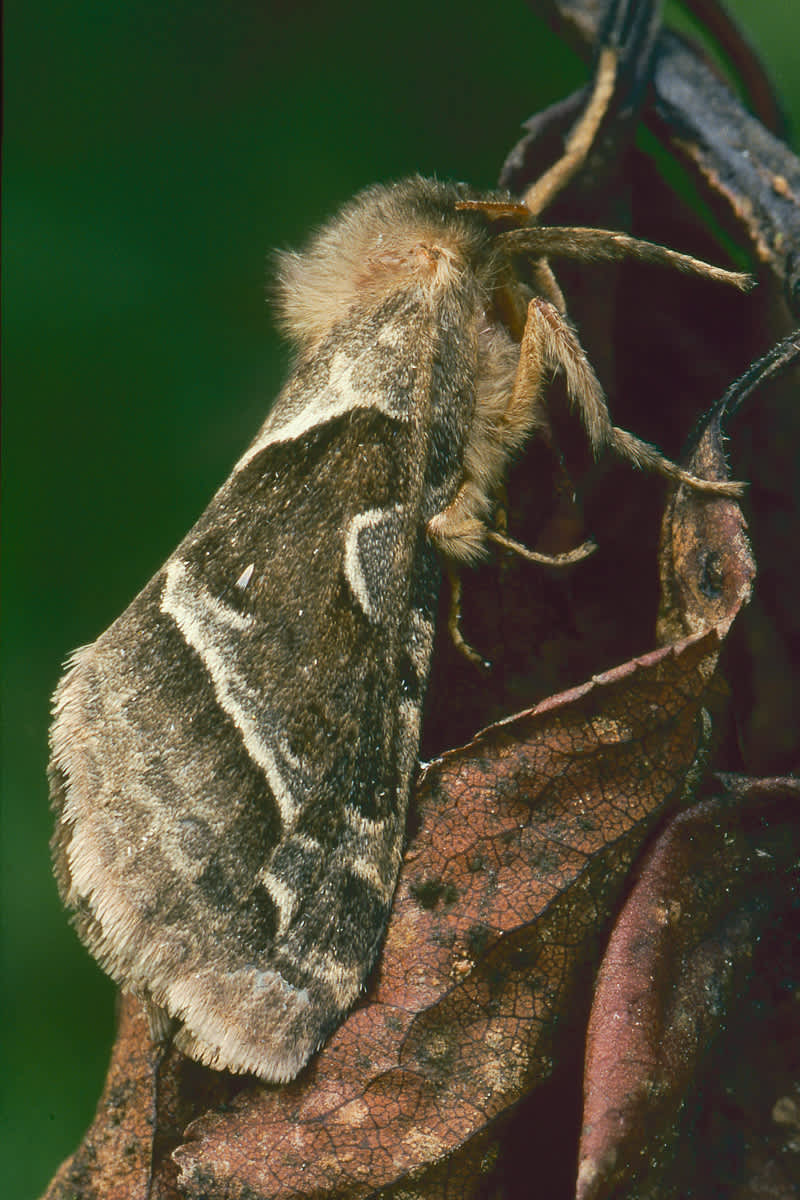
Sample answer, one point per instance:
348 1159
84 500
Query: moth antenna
581 137
497 210
606 245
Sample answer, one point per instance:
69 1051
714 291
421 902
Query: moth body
232 758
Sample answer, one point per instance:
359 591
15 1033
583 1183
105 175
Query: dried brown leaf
707 568
113 1160
718 878
524 843
137 1120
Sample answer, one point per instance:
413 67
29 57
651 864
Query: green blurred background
153 155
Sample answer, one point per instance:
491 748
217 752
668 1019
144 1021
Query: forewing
232 758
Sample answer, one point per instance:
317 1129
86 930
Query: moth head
415 234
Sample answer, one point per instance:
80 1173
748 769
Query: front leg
459 531
502 426
550 343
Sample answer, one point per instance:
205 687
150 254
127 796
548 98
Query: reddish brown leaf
114 1158
706 564
525 839
113 1162
122 1131
717 880
707 569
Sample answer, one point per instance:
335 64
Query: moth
232 758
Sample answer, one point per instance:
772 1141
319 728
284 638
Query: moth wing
231 759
